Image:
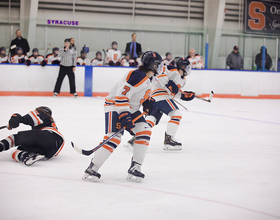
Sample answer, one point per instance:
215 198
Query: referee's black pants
63 71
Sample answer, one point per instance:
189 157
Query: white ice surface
229 167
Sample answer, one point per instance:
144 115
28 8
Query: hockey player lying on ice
41 143
167 85
121 107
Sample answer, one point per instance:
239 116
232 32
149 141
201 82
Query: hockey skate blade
128 146
172 148
90 178
133 178
32 161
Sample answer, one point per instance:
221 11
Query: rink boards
35 80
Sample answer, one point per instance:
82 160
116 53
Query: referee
67 67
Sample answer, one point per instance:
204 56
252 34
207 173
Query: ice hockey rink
229 167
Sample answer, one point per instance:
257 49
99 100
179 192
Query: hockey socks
7 143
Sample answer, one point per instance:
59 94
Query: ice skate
134 173
91 173
171 144
129 144
32 158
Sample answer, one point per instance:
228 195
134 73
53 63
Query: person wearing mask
21 42
235 60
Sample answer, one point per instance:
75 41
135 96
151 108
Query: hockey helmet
168 53
3 49
151 59
114 43
19 49
182 63
45 109
35 50
98 53
55 49
83 52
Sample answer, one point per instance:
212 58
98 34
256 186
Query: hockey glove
126 121
172 87
56 62
118 63
150 106
21 60
187 96
28 62
111 63
44 63
15 120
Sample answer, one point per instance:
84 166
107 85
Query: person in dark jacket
19 41
268 60
133 48
235 60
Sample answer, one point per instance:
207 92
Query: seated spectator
97 61
72 43
195 60
35 58
168 59
126 61
235 60
53 58
3 57
83 60
113 55
21 42
268 61
139 58
19 57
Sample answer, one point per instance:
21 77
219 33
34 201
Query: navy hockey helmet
45 109
168 53
55 49
182 63
98 53
18 49
126 54
151 59
3 49
83 52
35 50
114 43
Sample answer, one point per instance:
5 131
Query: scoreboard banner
262 16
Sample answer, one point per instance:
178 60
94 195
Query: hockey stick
2 127
89 152
180 104
46 52
104 56
206 100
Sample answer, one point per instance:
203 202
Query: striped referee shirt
68 58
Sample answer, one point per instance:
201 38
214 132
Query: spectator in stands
97 61
268 60
53 58
36 58
133 48
19 57
72 42
235 60
83 60
195 60
67 67
19 41
3 57
113 55
139 58
168 59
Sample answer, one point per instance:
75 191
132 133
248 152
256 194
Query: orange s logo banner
256 10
